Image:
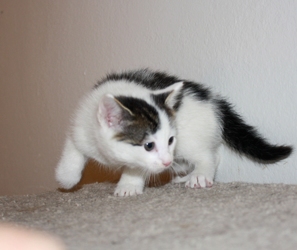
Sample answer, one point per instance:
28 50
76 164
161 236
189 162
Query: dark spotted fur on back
160 80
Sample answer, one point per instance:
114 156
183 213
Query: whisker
146 176
179 169
172 173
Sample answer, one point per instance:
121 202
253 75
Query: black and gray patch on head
143 121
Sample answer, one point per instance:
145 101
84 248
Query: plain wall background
52 51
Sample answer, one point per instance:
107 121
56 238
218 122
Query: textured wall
51 52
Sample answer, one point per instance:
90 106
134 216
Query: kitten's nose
166 163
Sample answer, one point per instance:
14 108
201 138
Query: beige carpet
227 216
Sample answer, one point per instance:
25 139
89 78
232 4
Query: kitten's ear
171 98
168 96
110 111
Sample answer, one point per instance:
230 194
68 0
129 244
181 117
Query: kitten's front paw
128 190
67 178
199 181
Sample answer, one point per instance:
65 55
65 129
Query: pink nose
167 163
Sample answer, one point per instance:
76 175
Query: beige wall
52 51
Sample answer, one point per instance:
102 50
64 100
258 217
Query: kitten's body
149 121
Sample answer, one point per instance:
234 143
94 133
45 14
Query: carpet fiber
227 216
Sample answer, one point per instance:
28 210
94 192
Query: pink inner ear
111 112
112 119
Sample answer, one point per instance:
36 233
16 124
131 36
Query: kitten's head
143 130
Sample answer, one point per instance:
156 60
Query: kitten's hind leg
131 183
70 166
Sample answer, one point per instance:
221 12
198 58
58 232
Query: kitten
147 122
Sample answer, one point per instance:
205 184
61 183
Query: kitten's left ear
171 98
169 95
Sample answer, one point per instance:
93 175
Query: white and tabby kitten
147 122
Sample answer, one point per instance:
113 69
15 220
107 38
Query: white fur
198 141
197 137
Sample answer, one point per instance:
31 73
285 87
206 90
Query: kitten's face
158 148
143 134
154 152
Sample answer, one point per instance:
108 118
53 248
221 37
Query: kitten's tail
246 140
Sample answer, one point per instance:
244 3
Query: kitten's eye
149 146
171 139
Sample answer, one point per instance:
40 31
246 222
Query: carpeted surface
227 216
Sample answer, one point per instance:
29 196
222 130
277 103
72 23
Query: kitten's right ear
110 111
